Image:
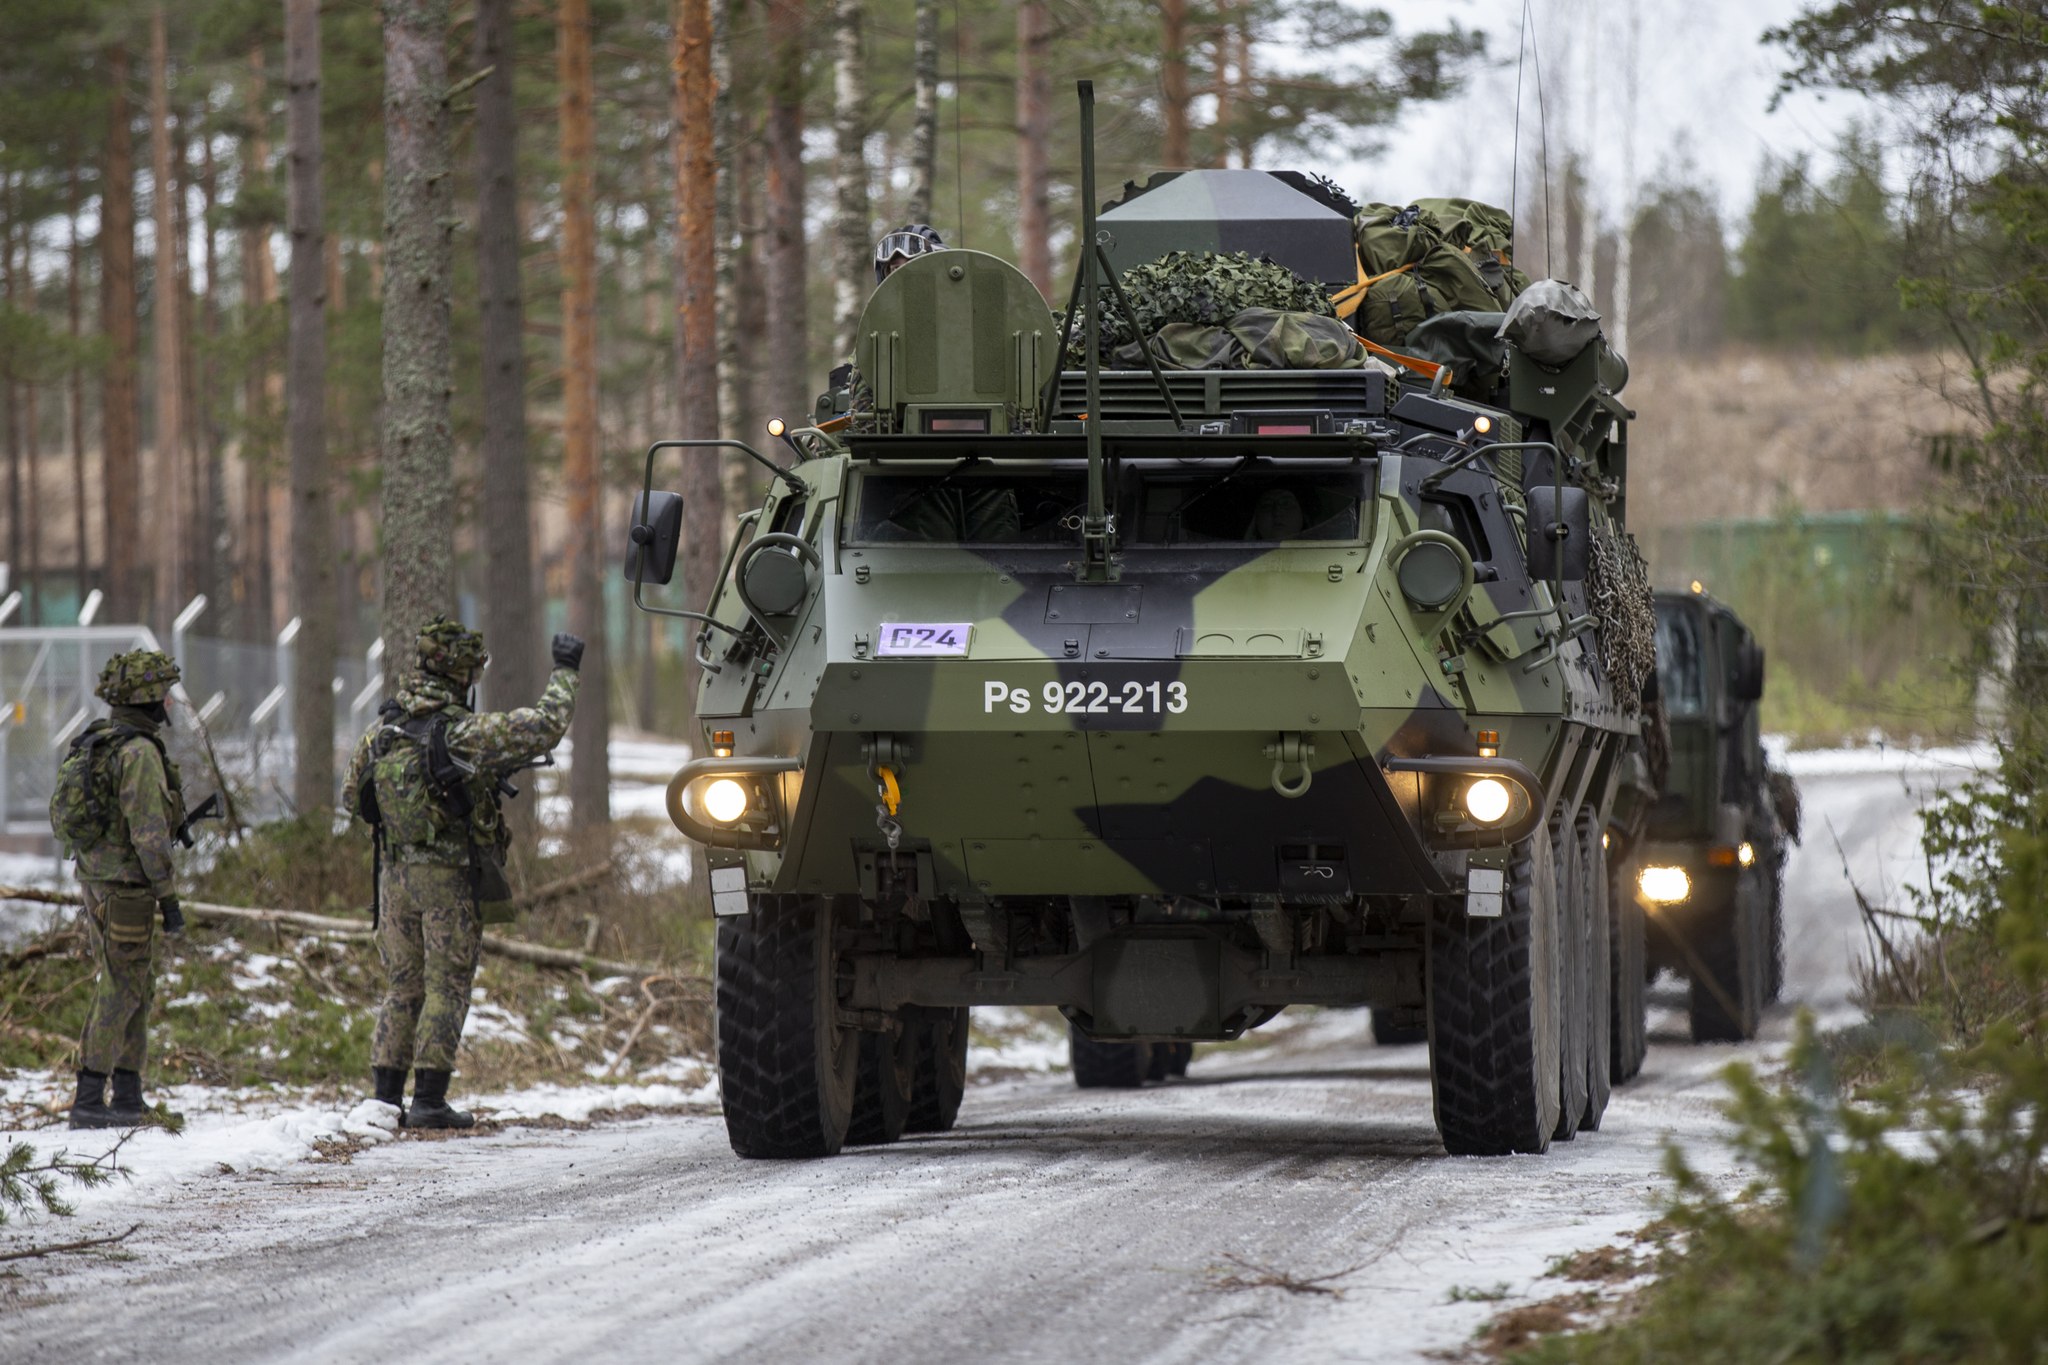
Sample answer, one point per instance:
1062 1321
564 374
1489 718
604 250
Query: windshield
969 506
1245 502
1679 667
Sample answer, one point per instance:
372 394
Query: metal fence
234 725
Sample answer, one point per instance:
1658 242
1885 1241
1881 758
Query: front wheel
786 1067
1493 995
886 1085
1628 948
1729 976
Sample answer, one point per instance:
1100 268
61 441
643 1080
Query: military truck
1711 864
1167 698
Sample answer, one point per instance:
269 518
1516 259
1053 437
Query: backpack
413 791
86 798
1434 256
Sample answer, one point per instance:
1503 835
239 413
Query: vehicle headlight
725 800
1745 854
1487 801
1664 885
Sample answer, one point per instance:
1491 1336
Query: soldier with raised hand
118 805
428 778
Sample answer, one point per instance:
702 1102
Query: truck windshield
1257 505
1680 670
968 507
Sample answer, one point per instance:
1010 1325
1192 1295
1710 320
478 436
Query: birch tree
788 269
924 126
853 229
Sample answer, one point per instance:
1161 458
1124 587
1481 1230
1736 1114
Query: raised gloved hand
174 918
568 651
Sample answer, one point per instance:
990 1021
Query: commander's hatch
955 343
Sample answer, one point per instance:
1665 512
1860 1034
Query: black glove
174 918
568 651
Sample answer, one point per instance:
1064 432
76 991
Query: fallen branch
1257 1276
85 1245
358 930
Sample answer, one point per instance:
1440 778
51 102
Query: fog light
725 800
1664 885
1487 800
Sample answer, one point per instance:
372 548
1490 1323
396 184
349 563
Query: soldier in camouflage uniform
125 873
442 842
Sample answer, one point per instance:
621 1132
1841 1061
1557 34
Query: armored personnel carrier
1712 857
1169 698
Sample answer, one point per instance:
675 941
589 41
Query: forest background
516 241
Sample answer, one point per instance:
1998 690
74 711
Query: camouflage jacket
493 743
137 844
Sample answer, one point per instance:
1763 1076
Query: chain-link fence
232 725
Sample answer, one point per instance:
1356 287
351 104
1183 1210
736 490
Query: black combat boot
390 1083
126 1107
89 1110
430 1103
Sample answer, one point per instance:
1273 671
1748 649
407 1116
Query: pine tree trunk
259 290
590 775
121 474
750 317
725 152
511 613
313 575
924 124
697 305
219 546
1173 84
418 500
1034 129
75 408
168 511
788 333
853 226
19 515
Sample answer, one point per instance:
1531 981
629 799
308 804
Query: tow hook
1293 749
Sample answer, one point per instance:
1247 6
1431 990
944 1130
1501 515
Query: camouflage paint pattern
120 925
493 742
136 848
429 938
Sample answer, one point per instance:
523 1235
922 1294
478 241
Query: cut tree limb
85 1245
333 926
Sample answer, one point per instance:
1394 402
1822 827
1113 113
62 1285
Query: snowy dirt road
1051 1225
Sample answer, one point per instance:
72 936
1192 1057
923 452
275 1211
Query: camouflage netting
1197 288
450 649
1618 595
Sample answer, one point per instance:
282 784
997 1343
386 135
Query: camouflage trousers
120 921
429 936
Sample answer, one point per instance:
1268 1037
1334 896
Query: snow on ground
1051 1224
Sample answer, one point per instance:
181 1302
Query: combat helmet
140 677
912 239
448 649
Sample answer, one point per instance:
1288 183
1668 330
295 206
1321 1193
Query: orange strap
1348 299
1426 368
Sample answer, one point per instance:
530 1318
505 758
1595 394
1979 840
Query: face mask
158 711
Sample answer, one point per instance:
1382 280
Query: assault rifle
209 809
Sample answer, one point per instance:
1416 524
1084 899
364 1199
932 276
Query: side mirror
1551 550
656 535
1746 680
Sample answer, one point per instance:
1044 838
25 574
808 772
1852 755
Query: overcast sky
1704 87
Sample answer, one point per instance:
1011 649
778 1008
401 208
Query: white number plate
916 639
1086 698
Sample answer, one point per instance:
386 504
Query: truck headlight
1487 801
1664 885
725 800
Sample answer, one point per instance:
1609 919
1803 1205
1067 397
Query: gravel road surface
1051 1225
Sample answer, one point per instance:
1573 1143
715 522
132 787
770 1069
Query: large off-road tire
886 1083
1730 943
941 1072
1169 1059
786 1067
1493 1013
1400 1027
1629 999
1774 982
1107 1066
1593 882
1574 975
